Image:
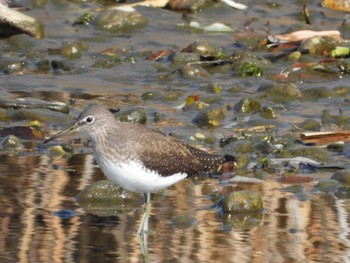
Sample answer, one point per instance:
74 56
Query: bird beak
75 127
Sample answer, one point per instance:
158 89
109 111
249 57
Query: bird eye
89 119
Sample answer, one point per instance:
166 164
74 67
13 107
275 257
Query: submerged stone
342 176
188 5
72 50
32 104
209 117
183 222
282 92
247 105
267 113
105 198
136 115
115 20
314 153
181 58
241 221
194 71
242 201
10 142
239 147
328 186
310 125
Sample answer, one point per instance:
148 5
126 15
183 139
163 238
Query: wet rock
56 151
248 65
336 147
209 117
33 104
239 147
171 96
241 221
73 50
318 45
314 153
13 22
117 20
9 66
194 71
43 65
282 92
247 105
85 19
342 91
106 62
201 48
181 58
183 222
105 198
150 95
10 142
342 176
294 56
212 88
328 118
188 5
248 69
319 92
310 125
242 202
40 115
267 113
135 115
328 186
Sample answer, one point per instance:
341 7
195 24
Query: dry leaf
306 34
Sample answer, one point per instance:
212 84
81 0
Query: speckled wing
167 155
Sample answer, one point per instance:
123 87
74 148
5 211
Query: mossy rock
241 221
242 202
104 198
247 105
209 117
136 115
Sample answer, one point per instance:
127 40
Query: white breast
134 177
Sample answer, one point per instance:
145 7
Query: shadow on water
40 222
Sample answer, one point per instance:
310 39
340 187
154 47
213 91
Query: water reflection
34 188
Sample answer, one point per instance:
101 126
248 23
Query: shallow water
40 222
39 218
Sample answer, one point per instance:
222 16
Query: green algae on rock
135 115
247 105
105 198
209 117
243 201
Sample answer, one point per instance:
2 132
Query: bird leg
144 221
